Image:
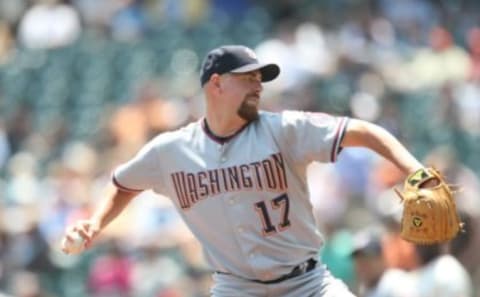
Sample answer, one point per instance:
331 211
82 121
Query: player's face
245 90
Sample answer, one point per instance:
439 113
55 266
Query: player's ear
215 81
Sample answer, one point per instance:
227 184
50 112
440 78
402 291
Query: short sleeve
140 173
313 136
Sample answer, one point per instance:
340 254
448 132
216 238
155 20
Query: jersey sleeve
139 173
313 136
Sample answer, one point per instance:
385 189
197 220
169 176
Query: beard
248 110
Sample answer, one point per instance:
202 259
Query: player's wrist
413 168
95 224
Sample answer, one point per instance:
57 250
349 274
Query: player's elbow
360 133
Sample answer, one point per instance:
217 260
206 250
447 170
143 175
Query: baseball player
237 177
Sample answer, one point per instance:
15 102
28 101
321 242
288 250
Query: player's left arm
360 133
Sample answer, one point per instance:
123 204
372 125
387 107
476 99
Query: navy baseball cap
235 59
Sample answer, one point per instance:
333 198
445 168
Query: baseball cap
235 59
367 243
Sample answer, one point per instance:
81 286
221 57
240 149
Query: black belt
305 267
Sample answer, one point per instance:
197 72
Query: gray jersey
246 198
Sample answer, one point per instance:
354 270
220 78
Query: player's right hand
87 229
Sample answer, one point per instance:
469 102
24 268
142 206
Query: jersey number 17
280 203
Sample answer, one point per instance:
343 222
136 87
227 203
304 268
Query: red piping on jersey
216 138
123 188
338 138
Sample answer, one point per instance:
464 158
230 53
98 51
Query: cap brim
269 71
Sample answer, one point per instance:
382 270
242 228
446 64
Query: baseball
74 246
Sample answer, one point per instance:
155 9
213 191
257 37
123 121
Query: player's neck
223 127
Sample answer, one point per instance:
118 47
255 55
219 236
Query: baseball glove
429 212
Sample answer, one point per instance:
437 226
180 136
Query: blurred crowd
84 83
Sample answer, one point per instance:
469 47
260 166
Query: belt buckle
296 271
303 267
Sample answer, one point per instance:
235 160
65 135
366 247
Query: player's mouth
253 99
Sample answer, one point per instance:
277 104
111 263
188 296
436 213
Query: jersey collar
216 138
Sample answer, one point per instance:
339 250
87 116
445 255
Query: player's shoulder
270 116
182 134
269 119
288 117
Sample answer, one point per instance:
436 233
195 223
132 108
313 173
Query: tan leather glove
429 211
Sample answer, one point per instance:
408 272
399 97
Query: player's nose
258 87
257 84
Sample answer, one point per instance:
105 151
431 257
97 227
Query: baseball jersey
245 198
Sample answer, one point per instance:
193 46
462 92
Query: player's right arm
128 180
114 203
110 207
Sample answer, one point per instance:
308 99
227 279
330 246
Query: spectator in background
466 104
446 160
465 246
233 9
49 24
442 62
127 138
460 244
306 41
397 252
154 270
383 202
473 44
27 284
375 279
335 253
439 274
4 145
111 273
129 21
410 17
19 126
12 11
6 42
187 12
96 15
22 181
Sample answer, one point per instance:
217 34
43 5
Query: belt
305 267
298 270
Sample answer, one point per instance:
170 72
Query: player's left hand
429 214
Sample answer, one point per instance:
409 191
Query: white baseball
74 246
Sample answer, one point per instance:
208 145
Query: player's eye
254 77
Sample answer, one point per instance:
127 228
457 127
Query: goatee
248 111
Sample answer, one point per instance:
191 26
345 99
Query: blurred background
84 83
